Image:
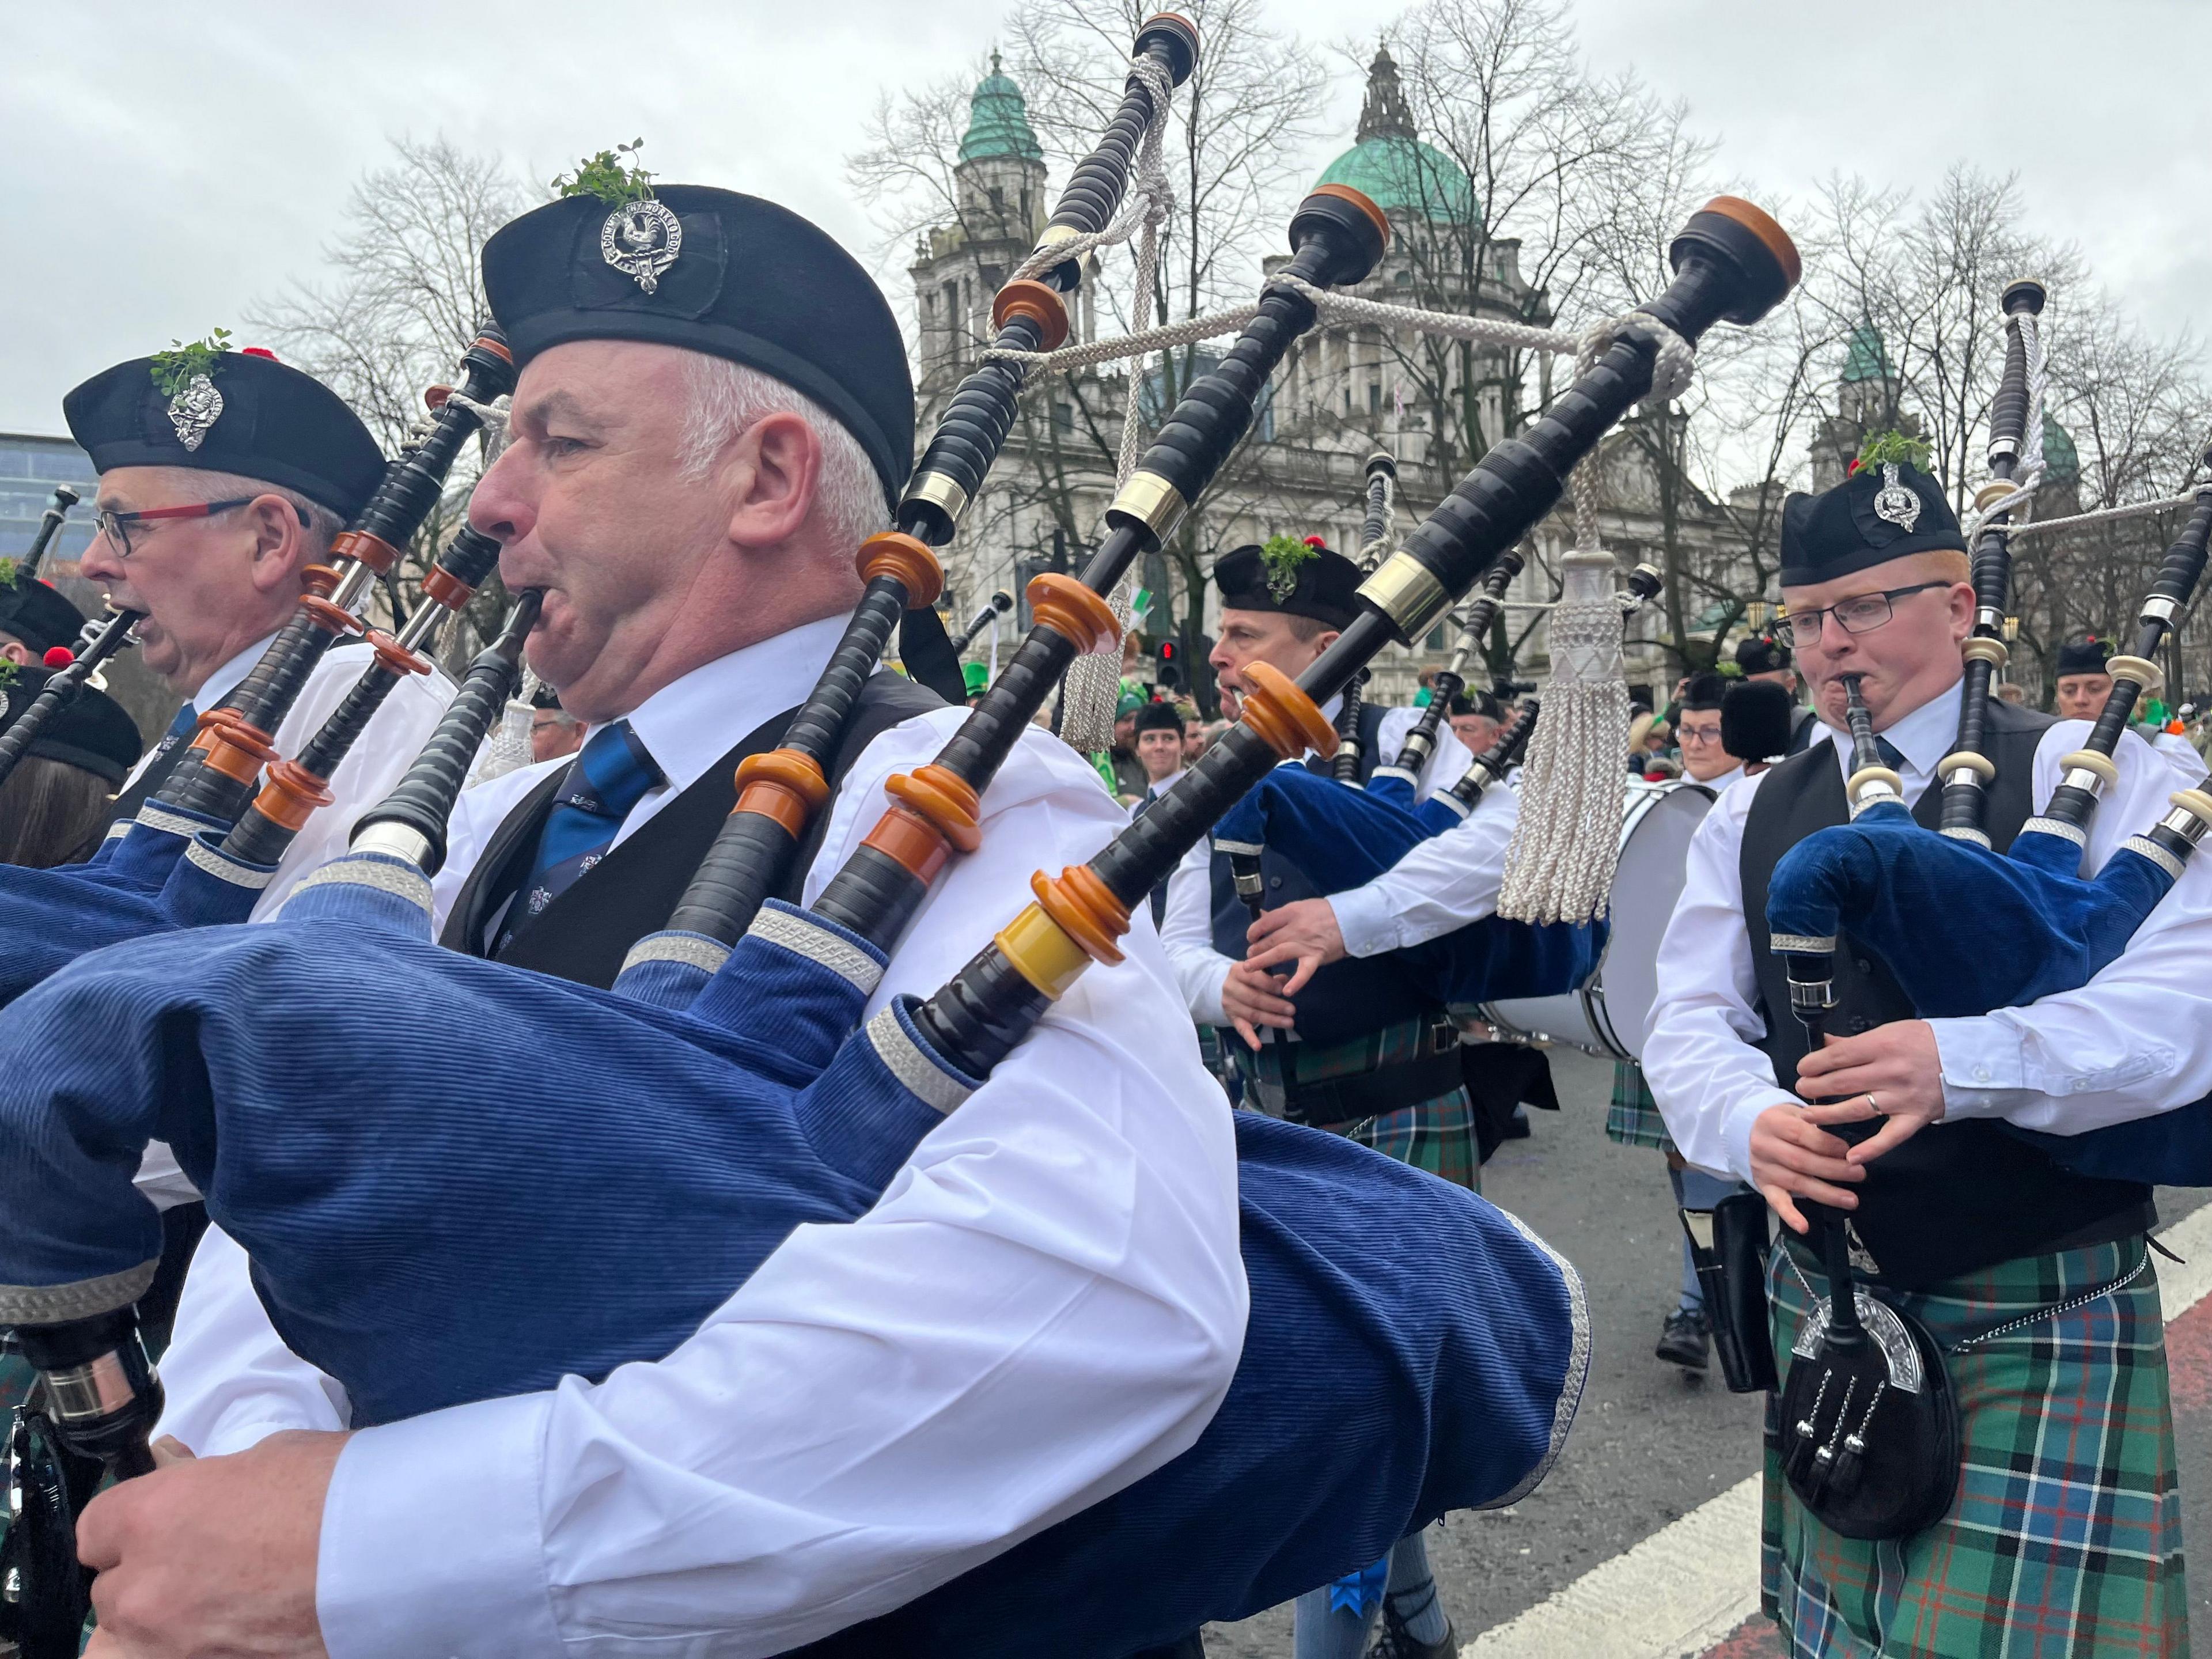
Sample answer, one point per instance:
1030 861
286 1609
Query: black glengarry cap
91 730
1296 579
1884 511
713 271
2081 657
247 413
37 616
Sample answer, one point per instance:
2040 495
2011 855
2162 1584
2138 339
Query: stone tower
1000 207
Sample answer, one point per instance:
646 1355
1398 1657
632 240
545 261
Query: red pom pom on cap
59 657
257 351
1317 541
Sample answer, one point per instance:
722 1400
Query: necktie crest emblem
195 408
641 239
1894 503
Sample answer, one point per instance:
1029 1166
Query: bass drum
1607 1017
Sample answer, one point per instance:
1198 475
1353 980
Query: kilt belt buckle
1440 1035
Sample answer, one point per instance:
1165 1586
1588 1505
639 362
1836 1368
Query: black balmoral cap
253 417
714 272
1157 716
1756 721
1881 512
2081 657
1705 691
1323 588
1760 655
37 616
91 730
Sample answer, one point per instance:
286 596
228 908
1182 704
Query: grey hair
194 485
728 398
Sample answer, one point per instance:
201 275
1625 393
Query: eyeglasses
1860 615
116 526
1698 734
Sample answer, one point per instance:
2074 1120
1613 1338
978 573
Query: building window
1063 416
1374 396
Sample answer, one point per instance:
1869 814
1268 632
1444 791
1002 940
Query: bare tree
406 299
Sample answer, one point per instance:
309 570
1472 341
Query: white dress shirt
2136 1040
1443 883
1047 1303
371 770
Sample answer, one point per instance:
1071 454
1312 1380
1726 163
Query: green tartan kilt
1436 1134
1634 1117
2064 1540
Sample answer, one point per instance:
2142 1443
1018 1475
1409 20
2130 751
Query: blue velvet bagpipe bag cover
1343 838
2027 926
138 883
1410 1349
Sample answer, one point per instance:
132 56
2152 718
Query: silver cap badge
1894 503
641 239
196 407
1283 581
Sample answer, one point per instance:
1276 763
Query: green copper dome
2062 462
1391 167
1865 358
999 121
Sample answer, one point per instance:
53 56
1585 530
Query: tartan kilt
1436 1135
2064 1540
1634 1117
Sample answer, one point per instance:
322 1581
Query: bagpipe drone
199 820
395 1246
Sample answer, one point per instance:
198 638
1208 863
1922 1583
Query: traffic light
1169 674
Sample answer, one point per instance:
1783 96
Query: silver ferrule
2080 777
2186 824
423 627
1812 996
2002 447
1962 777
1990 618
102 1387
396 840
2159 608
353 588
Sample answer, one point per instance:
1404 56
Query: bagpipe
1001 603
1381 470
2041 927
112 635
50 917
1409 1349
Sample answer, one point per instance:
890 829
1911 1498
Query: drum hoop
1643 799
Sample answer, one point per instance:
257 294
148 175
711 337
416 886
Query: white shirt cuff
420 1559
1982 1065
1366 921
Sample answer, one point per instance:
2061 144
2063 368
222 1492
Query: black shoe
1517 1127
1394 1641
1684 1340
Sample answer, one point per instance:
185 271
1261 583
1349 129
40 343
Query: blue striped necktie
609 776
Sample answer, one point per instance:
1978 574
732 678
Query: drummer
1633 1119
1352 1046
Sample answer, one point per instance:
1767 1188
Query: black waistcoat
1957 1196
1345 999
584 934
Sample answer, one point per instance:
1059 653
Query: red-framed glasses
116 526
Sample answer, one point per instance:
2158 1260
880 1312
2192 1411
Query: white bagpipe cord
1560 865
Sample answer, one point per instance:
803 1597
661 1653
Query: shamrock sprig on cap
612 175
181 364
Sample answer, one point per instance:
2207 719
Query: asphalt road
1651 1442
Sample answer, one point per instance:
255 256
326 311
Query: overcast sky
167 164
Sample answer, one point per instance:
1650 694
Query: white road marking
1689 1583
